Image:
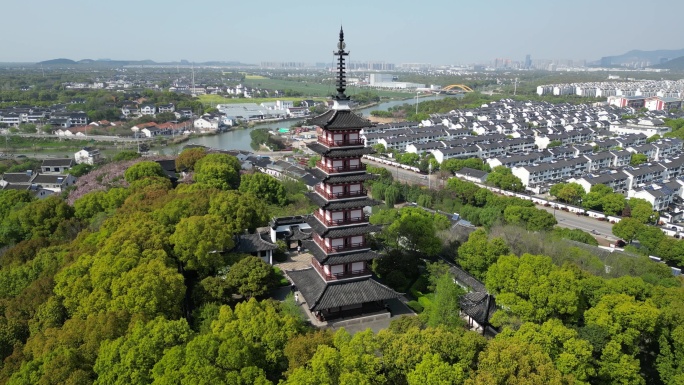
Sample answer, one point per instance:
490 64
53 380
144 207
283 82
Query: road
604 229
407 176
565 219
103 138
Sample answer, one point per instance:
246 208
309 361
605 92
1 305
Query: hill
119 63
672 65
57 62
639 56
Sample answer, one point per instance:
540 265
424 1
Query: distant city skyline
400 31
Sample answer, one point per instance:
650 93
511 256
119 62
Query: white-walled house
88 155
205 123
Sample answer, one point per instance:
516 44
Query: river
240 140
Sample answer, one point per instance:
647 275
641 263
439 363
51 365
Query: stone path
295 261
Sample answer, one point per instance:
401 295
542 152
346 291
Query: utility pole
429 176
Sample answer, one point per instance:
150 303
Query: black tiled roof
298 234
319 295
51 179
282 221
339 152
339 120
479 306
463 277
340 205
16 187
18 177
338 232
68 162
337 259
251 243
360 177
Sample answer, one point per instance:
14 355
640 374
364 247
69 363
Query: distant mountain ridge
638 56
119 63
673 65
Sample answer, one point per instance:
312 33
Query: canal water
240 140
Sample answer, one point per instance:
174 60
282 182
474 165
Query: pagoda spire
341 75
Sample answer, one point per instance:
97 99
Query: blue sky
399 31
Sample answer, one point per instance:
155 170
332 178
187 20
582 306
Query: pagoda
339 281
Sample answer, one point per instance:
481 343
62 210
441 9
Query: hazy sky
399 31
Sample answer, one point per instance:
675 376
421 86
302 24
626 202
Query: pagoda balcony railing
343 194
335 276
340 222
345 168
339 143
340 248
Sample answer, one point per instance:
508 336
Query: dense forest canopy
123 283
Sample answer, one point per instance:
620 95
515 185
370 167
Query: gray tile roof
339 232
339 205
251 243
49 179
479 306
18 177
319 295
339 152
68 162
337 259
339 119
360 177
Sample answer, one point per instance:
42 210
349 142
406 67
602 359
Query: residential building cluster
650 94
56 115
544 144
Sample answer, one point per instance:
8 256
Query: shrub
415 306
397 280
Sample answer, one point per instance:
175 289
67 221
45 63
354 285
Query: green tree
479 253
533 289
628 229
503 178
186 160
445 309
416 231
432 370
637 159
629 324
130 359
301 348
200 241
379 148
219 171
650 237
571 355
613 204
568 192
251 277
392 196
511 361
594 198
641 209
126 155
239 212
264 186
142 170
81 169
532 218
